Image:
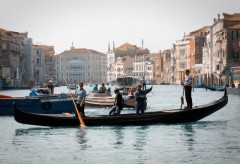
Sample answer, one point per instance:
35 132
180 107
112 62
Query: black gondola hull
166 117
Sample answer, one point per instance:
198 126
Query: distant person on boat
81 100
50 86
140 100
102 89
131 92
188 89
95 89
118 104
109 90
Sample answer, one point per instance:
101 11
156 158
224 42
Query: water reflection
141 137
119 136
189 133
81 137
32 131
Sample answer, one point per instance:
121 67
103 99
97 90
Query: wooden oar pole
78 114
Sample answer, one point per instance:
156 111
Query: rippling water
214 139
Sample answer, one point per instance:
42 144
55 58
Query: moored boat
213 88
166 116
129 101
47 104
105 99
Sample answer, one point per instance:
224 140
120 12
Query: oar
182 100
79 115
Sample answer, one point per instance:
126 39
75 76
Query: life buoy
47 105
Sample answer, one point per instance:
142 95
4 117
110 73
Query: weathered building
224 45
43 64
121 51
14 55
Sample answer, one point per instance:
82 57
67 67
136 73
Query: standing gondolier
81 100
188 89
140 100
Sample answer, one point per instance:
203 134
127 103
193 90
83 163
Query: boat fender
47 105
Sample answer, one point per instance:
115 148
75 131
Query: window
234 34
4 62
182 65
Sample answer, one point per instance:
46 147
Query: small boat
106 99
213 88
166 116
73 86
129 101
36 104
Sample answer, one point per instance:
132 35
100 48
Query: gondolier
188 89
81 100
140 98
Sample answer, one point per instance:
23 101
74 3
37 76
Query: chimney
218 16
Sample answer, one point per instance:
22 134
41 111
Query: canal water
215 139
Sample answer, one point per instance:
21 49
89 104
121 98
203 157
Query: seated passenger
108 90
131 93
102 89
95 89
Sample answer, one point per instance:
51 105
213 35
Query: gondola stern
225 92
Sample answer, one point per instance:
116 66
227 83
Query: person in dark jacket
118 104
140 100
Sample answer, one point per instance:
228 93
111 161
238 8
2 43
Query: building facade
14 53
124 50
82 65
43 64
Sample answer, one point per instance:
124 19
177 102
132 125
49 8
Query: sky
93 24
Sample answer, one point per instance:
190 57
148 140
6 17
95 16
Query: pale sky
93 23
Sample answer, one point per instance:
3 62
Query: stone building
15 49
57 76
122 51
224 46
144 67
43 64
82 65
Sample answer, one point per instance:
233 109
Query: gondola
166 116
